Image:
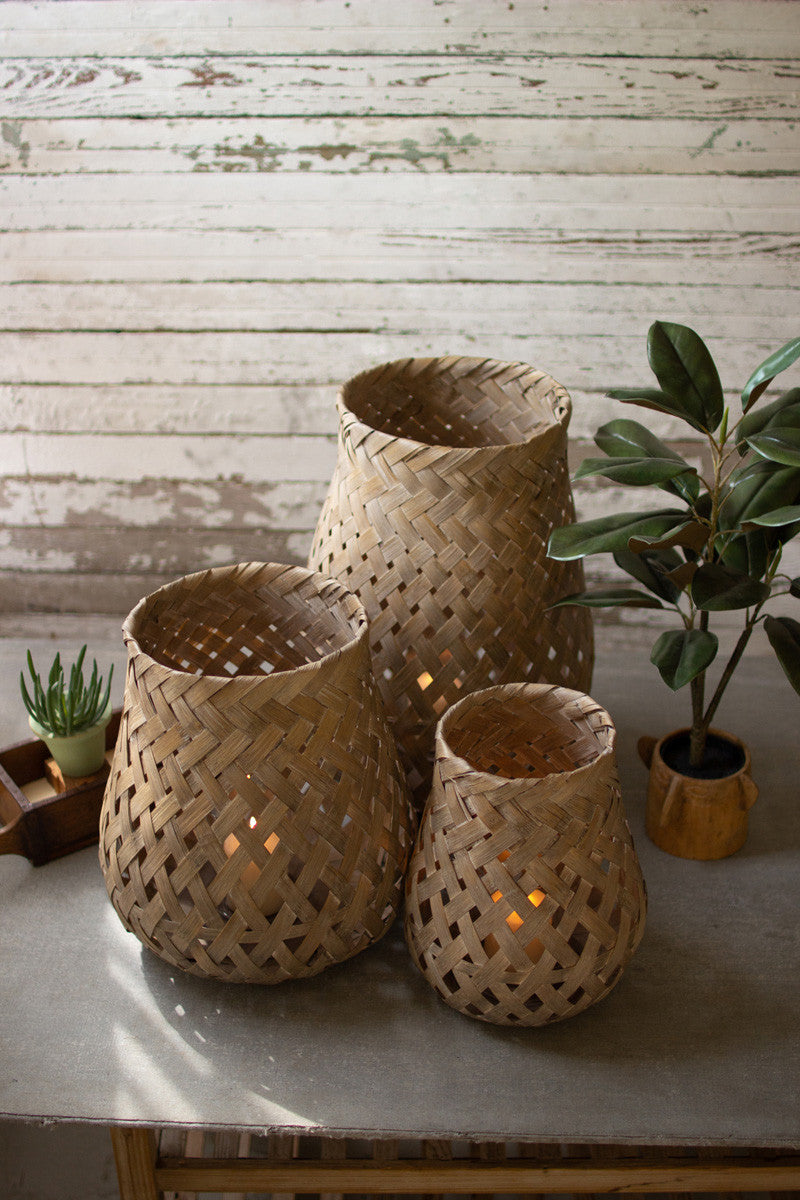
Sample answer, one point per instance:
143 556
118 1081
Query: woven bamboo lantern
524 895
255 825
451 475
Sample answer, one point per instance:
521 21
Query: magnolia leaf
778 516
652 569
610 598
779 444
687 486
685 369
609 533
784 637
690 535
654 399
763 376
682 655
683 575
757 488
637 472
783 411
624 438
716 589
794 588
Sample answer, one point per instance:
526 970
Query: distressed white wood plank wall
214 212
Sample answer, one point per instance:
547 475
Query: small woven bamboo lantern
451 475
255 825
524 895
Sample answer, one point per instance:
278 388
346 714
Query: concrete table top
698 1043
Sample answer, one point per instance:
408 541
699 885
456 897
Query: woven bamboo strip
524 895
255 825
451 474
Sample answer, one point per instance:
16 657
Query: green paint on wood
12 134
410 151
708 144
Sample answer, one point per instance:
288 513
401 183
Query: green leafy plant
63 709
718 544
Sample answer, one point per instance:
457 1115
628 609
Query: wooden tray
38 822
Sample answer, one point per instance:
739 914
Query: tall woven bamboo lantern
524 896
451 475
255 825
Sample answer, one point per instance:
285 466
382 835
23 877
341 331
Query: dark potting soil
721 757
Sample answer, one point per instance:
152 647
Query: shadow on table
681 1007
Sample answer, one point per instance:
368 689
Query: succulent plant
64 708
718 544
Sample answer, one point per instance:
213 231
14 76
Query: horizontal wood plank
733 28
588 309
56 501
172 408
81 591
258 410
667 257
458 144
195 457
312 86
159 552
50 502
622 1176
486 205
253 359
167 527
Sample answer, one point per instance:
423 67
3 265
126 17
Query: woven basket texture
451 475
255 825
524 895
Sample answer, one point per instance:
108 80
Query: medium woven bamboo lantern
255 825
524 895
451 475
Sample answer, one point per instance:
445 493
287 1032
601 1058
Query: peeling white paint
181 295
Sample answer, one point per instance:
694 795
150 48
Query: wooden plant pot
44 815
697 818
451 475
256 824
524 896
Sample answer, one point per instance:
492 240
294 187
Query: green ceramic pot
80 753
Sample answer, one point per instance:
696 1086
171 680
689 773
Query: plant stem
700 721
733 662
697 741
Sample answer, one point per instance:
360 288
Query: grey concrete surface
698 1042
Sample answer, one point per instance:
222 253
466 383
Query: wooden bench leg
135 1156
